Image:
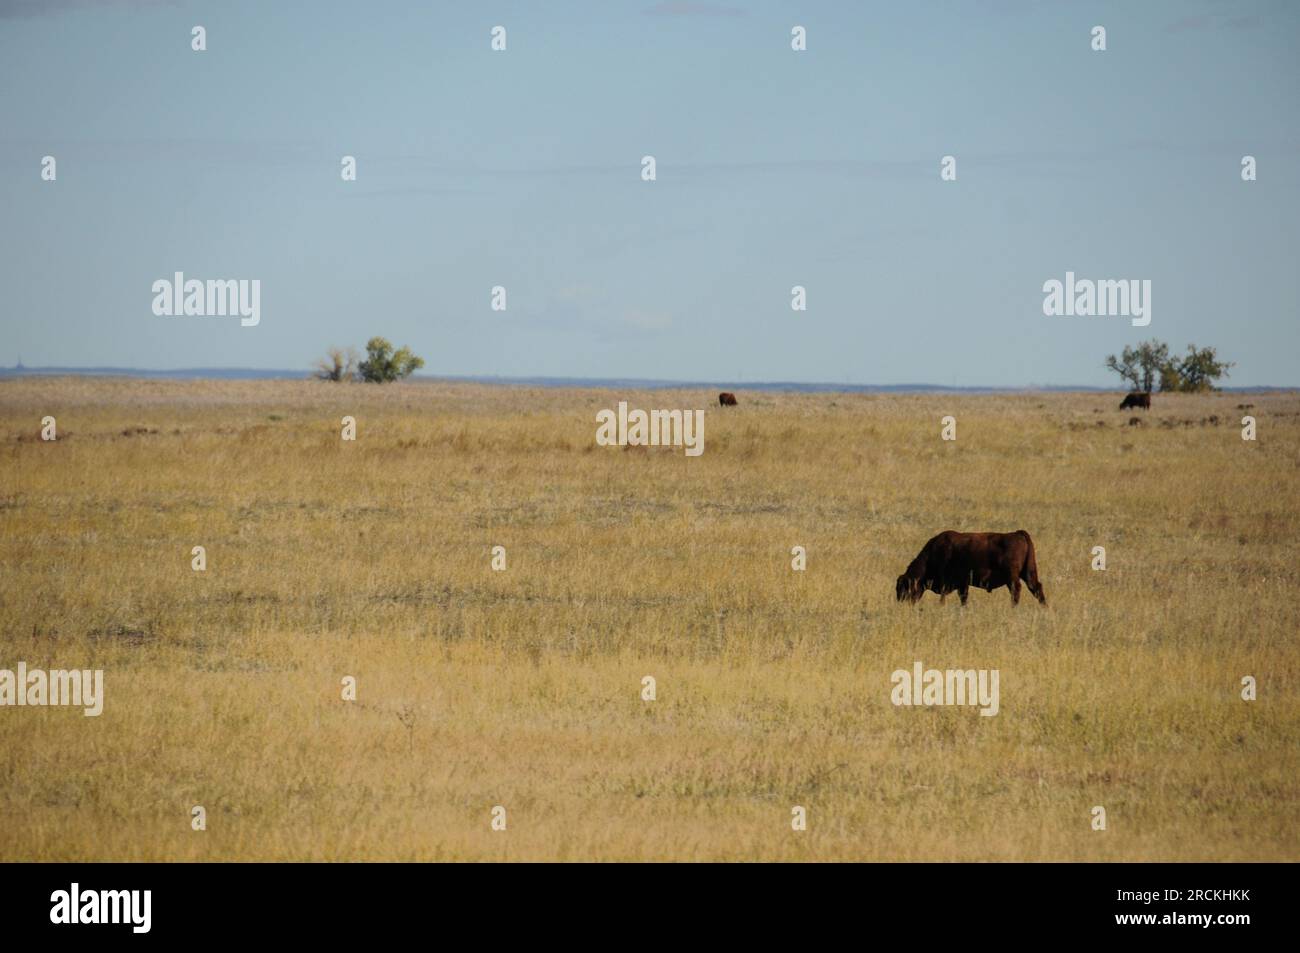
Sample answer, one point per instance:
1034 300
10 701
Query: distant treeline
1150 363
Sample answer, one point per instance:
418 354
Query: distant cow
1136 399
954 562
726 399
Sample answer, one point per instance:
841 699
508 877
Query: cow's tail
1029 571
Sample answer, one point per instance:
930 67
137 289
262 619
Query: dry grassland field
522 688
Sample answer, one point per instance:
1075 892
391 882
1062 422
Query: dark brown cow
954 562
1137 399
726 399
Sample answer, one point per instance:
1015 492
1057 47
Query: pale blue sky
775 168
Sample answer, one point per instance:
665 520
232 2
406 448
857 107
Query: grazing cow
726 399
1136 399
954 562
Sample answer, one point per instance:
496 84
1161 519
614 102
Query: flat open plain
522 688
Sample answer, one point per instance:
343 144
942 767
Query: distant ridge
631 383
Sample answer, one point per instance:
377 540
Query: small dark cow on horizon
726 399
954 562
1136 399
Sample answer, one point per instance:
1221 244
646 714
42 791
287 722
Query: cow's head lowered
909 588
911 585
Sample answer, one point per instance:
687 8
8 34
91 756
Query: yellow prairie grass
523 688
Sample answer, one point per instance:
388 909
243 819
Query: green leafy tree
1199 369
382 364
1171 379
1141 366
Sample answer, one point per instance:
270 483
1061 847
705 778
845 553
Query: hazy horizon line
250 373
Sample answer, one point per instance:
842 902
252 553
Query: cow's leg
1014 586
963 592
